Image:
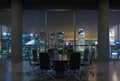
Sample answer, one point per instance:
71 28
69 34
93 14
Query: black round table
60 66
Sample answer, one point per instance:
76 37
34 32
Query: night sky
34 21
61 21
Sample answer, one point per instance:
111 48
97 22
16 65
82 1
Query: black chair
45 66
69 51
74 66
35 59
86 55
35 55
85 58
60 68
51 53
89 65
34 63
86 62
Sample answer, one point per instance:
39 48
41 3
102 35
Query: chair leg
51 77
68 77
47 75
73 76
77 78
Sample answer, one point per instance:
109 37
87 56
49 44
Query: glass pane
60 29
5 35
114 34
33 32
86 31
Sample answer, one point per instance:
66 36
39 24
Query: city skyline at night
60 21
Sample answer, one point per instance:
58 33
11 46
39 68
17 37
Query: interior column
16 26
103 31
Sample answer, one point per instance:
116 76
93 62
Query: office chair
86 62
34 63
89 65
69 51
74 66
45 66
60 68
35 55
51 53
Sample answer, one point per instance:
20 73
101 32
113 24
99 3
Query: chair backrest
91 59
69 51
60 65
51 53
44 61
86 54
74 62
34 53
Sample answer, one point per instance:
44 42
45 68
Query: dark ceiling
52 4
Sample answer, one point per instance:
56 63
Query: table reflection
59 63
60 57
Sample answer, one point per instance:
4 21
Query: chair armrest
52 66
66 66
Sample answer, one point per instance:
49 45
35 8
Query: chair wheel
28 73
92 74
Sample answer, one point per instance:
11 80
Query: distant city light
8 33
80 29
31 34
114 53
4 33
96 42
31 42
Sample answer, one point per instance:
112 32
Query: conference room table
60 65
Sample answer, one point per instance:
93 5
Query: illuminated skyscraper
81 39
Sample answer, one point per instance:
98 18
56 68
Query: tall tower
81 39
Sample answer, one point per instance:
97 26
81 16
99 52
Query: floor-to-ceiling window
58 29
87 30
5 34
55 28
114 34
33 32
